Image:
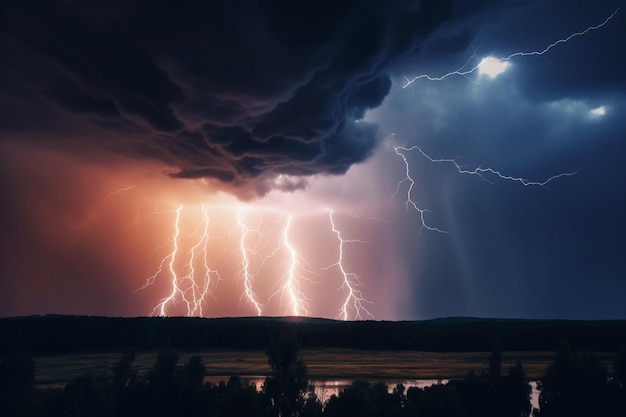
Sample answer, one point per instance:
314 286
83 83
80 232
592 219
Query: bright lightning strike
354 298
492 66
189 288
192 279
199 292
479 171
248 278
291 288
160 308
409 192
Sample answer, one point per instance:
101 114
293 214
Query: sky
343 159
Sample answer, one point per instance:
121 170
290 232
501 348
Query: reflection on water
324 389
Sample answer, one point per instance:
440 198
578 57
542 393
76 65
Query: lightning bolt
160 308
191 276
248 278
479 171
354 298
409 193
292 283
199 293
194 287
121 190
489 61
486 65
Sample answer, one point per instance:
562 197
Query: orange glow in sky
161 246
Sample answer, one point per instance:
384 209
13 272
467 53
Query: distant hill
64 334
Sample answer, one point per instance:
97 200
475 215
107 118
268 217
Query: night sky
235 133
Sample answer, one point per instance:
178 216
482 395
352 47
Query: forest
64 334
575 384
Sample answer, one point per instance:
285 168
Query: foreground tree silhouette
491 394
618 383
122 370
163 385
237 398
285 388
17 376
357 400
575 385
89 396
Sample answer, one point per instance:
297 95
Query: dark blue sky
515 251
256 99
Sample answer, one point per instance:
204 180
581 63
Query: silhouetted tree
124 381
312 407
574 385
236 399
472 391
17 373
618 382
285 388
493 395
162 375
411 400
89 396
495 363
163 385
440 400
397 400
492 407
354 401
17 376
191 400
619 366
122 370
192 374
516 393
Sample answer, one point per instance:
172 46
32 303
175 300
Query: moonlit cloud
598 111
492 67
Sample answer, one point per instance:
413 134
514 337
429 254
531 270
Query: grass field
322 363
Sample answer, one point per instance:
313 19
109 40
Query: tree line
575 384
66 334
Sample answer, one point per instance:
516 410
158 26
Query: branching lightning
121 190
409 193
492 66
291 288
479 171
248 278
354 298
192 280
160 308
200 291
194 287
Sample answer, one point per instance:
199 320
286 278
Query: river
324 389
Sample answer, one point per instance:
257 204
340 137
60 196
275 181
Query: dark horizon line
451 319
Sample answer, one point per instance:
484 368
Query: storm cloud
242 91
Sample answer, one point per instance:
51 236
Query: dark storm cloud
241 91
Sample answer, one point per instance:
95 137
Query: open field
323 364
